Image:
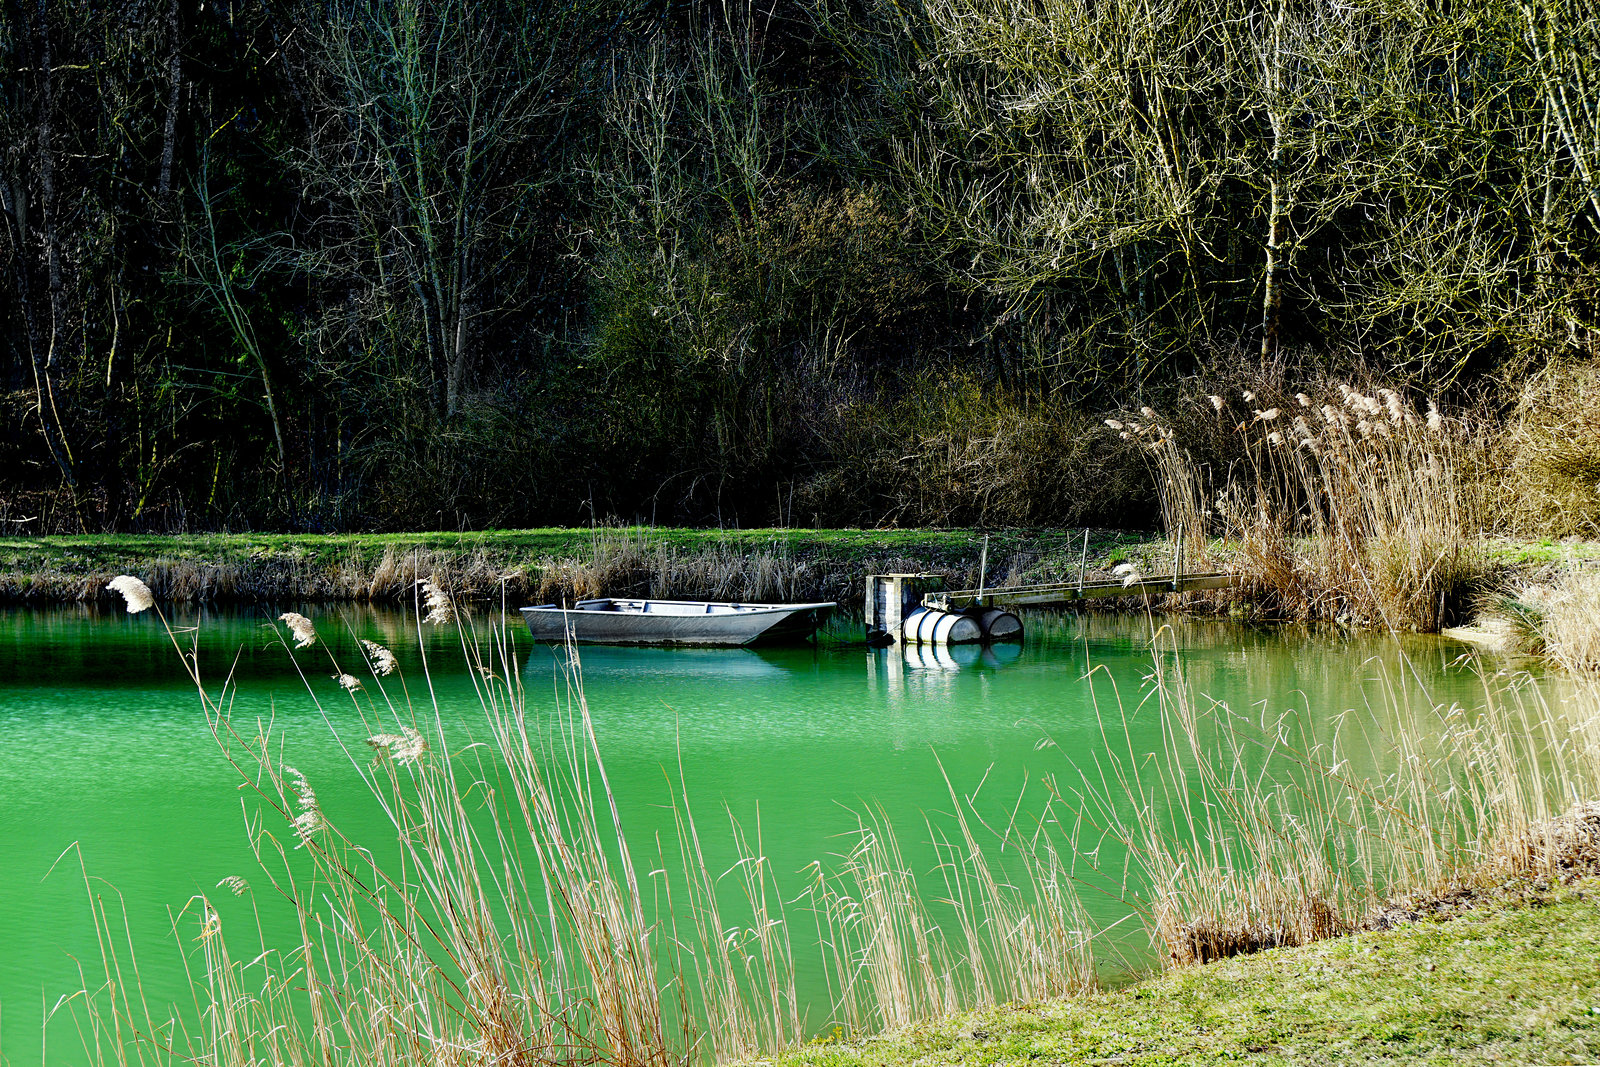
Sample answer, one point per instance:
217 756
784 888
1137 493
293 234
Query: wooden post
1083 558
1177 559
891 597
983 567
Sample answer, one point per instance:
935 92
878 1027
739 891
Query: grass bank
1514 981
553 563
546 563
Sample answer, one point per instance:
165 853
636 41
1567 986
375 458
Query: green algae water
114 795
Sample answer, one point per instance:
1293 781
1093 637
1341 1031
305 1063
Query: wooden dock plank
1070 592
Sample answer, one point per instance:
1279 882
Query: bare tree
437 125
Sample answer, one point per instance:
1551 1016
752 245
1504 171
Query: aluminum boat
615 621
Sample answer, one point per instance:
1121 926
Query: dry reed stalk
743 974
1250 834
1023 942
890 964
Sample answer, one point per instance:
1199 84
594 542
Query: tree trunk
169 134
1272 289
44 388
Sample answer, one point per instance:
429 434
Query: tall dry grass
1019 932
1558 619
1343 505
506 918
1250 831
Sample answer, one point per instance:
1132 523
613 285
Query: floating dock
914 608
1062 593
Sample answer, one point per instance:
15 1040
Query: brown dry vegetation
616 562
1558 619
1335 503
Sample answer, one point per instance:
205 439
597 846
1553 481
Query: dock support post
983 567
1177 559
1083 558
891 597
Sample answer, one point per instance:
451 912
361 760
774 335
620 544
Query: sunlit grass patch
1513 982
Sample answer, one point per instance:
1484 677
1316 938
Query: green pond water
106 765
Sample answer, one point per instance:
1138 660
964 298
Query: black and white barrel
1000 625
930 626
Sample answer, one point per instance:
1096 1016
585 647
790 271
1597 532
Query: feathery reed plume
1268 415
1148 412
348 682
135 592
1397 408
383 661
1302 399
1216 402
305 635
1128 572
437 601
1115 424
408 746
309 821
235 885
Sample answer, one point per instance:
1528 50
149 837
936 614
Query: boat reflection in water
603 663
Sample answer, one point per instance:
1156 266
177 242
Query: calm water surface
104 752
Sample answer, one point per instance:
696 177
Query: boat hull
669 622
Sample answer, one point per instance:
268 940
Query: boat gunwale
735 607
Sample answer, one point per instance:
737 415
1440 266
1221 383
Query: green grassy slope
1510 983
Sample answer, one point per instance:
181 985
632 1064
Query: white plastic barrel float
1000 625
930 626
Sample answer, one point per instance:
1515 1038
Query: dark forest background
349 264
